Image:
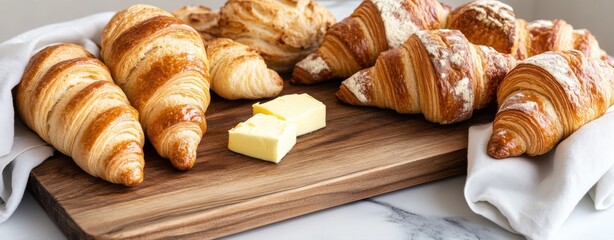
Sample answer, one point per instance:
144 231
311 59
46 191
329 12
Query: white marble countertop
435 210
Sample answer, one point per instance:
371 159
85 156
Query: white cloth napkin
21 149
535 196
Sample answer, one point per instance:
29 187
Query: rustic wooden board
361 153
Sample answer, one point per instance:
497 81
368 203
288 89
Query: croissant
69 99
283 31
493 23
201 18
435 72
239 72
375 26
546 98
162 66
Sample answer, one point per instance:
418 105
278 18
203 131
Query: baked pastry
283 31
546 98
355 42
436 72
375 26
201 18
493 23
239 72
69 99
162 66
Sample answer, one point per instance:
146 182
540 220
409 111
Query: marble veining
423 227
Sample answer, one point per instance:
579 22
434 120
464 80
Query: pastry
201 18
355 42
283 31
436 72
239 72
493 23
69 99
162 66
546 98
375 26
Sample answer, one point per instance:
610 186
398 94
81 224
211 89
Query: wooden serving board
361 153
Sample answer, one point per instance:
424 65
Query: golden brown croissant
239 72
162 66
375 26
546 98
68 98
436 72
493 23
201 18
283 31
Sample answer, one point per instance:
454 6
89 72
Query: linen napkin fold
534 196
21 149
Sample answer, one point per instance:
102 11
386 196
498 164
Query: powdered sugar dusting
500 61
580 31
519 102
541 24
502 14
313 64
429 43
463 92
559 68
494 57
358 85
447 57
397 21
456 59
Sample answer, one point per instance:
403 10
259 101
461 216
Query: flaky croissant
546 98
239 72
201 18
493 23
436 72
68 98
375 26
283 31
162 66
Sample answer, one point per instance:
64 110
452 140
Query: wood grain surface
361 153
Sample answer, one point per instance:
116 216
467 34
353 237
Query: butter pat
264 137
302 110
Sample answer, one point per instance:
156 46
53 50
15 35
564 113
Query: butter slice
302 110
264 137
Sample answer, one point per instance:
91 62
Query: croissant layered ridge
375 26
239 72
69 99
546 98
494 23
438 73
162 66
